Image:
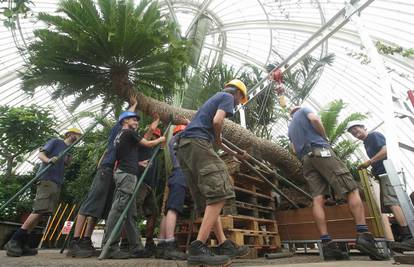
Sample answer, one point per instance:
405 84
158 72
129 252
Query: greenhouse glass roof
260 32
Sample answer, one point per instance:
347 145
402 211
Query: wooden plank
236 188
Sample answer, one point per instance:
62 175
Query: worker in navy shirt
375 146
47 191
98 202
207 175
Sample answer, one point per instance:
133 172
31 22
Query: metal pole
115 233
42 171
268 169
242 113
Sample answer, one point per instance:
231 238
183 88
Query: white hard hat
353 124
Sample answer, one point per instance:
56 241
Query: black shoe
159 251
116 254
232 250
200 254
171 252
150 249
124 246
332 252
366 244
83 248
405 245
13 248
137 252
28 251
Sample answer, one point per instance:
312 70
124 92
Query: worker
167 247
321 169
207 175
98 202
48 190
126 147
375 146
146 202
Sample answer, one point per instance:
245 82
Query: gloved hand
53 160
364 165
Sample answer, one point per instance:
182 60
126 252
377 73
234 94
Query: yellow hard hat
241 86
73 130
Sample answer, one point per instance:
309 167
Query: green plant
17 138
15 9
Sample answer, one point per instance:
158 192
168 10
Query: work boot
232 250
171 252
137 252
405 245
115 253
366 244
200 254
332 252
13 248
83 248
27 251
160 250
72 247
150 248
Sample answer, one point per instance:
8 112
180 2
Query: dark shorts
322 172
176 197
47 197
207 175
146 201
99 200
388 195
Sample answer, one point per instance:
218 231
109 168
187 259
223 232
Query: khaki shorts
207 176
47 197
146 201
322 172
388 195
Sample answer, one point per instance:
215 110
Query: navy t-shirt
201 126
126 146
55 173
373 144
301 132
110 154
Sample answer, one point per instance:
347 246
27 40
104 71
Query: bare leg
31 221
218 231
211 214
150 229
399 215
356 207
91 223
80 222
319 214
163 228
170 222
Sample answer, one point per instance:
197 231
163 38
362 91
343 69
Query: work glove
364 165
53 160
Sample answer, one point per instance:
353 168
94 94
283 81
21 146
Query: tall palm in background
336 128
113 49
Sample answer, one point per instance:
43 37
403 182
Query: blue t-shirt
110 154
373 144
177 176
55 173
301 132
201 125
145 153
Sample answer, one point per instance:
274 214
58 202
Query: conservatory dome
263 32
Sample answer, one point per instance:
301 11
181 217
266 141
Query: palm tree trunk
260 148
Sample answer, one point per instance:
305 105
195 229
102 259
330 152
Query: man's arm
152 143
45 159
133 103
317 124
381 155
292 147
153 126
218 122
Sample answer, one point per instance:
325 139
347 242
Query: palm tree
335 128
113 49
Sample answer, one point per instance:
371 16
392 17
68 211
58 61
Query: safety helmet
157 132
178 128
126 115
241 86
73 130
353 124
